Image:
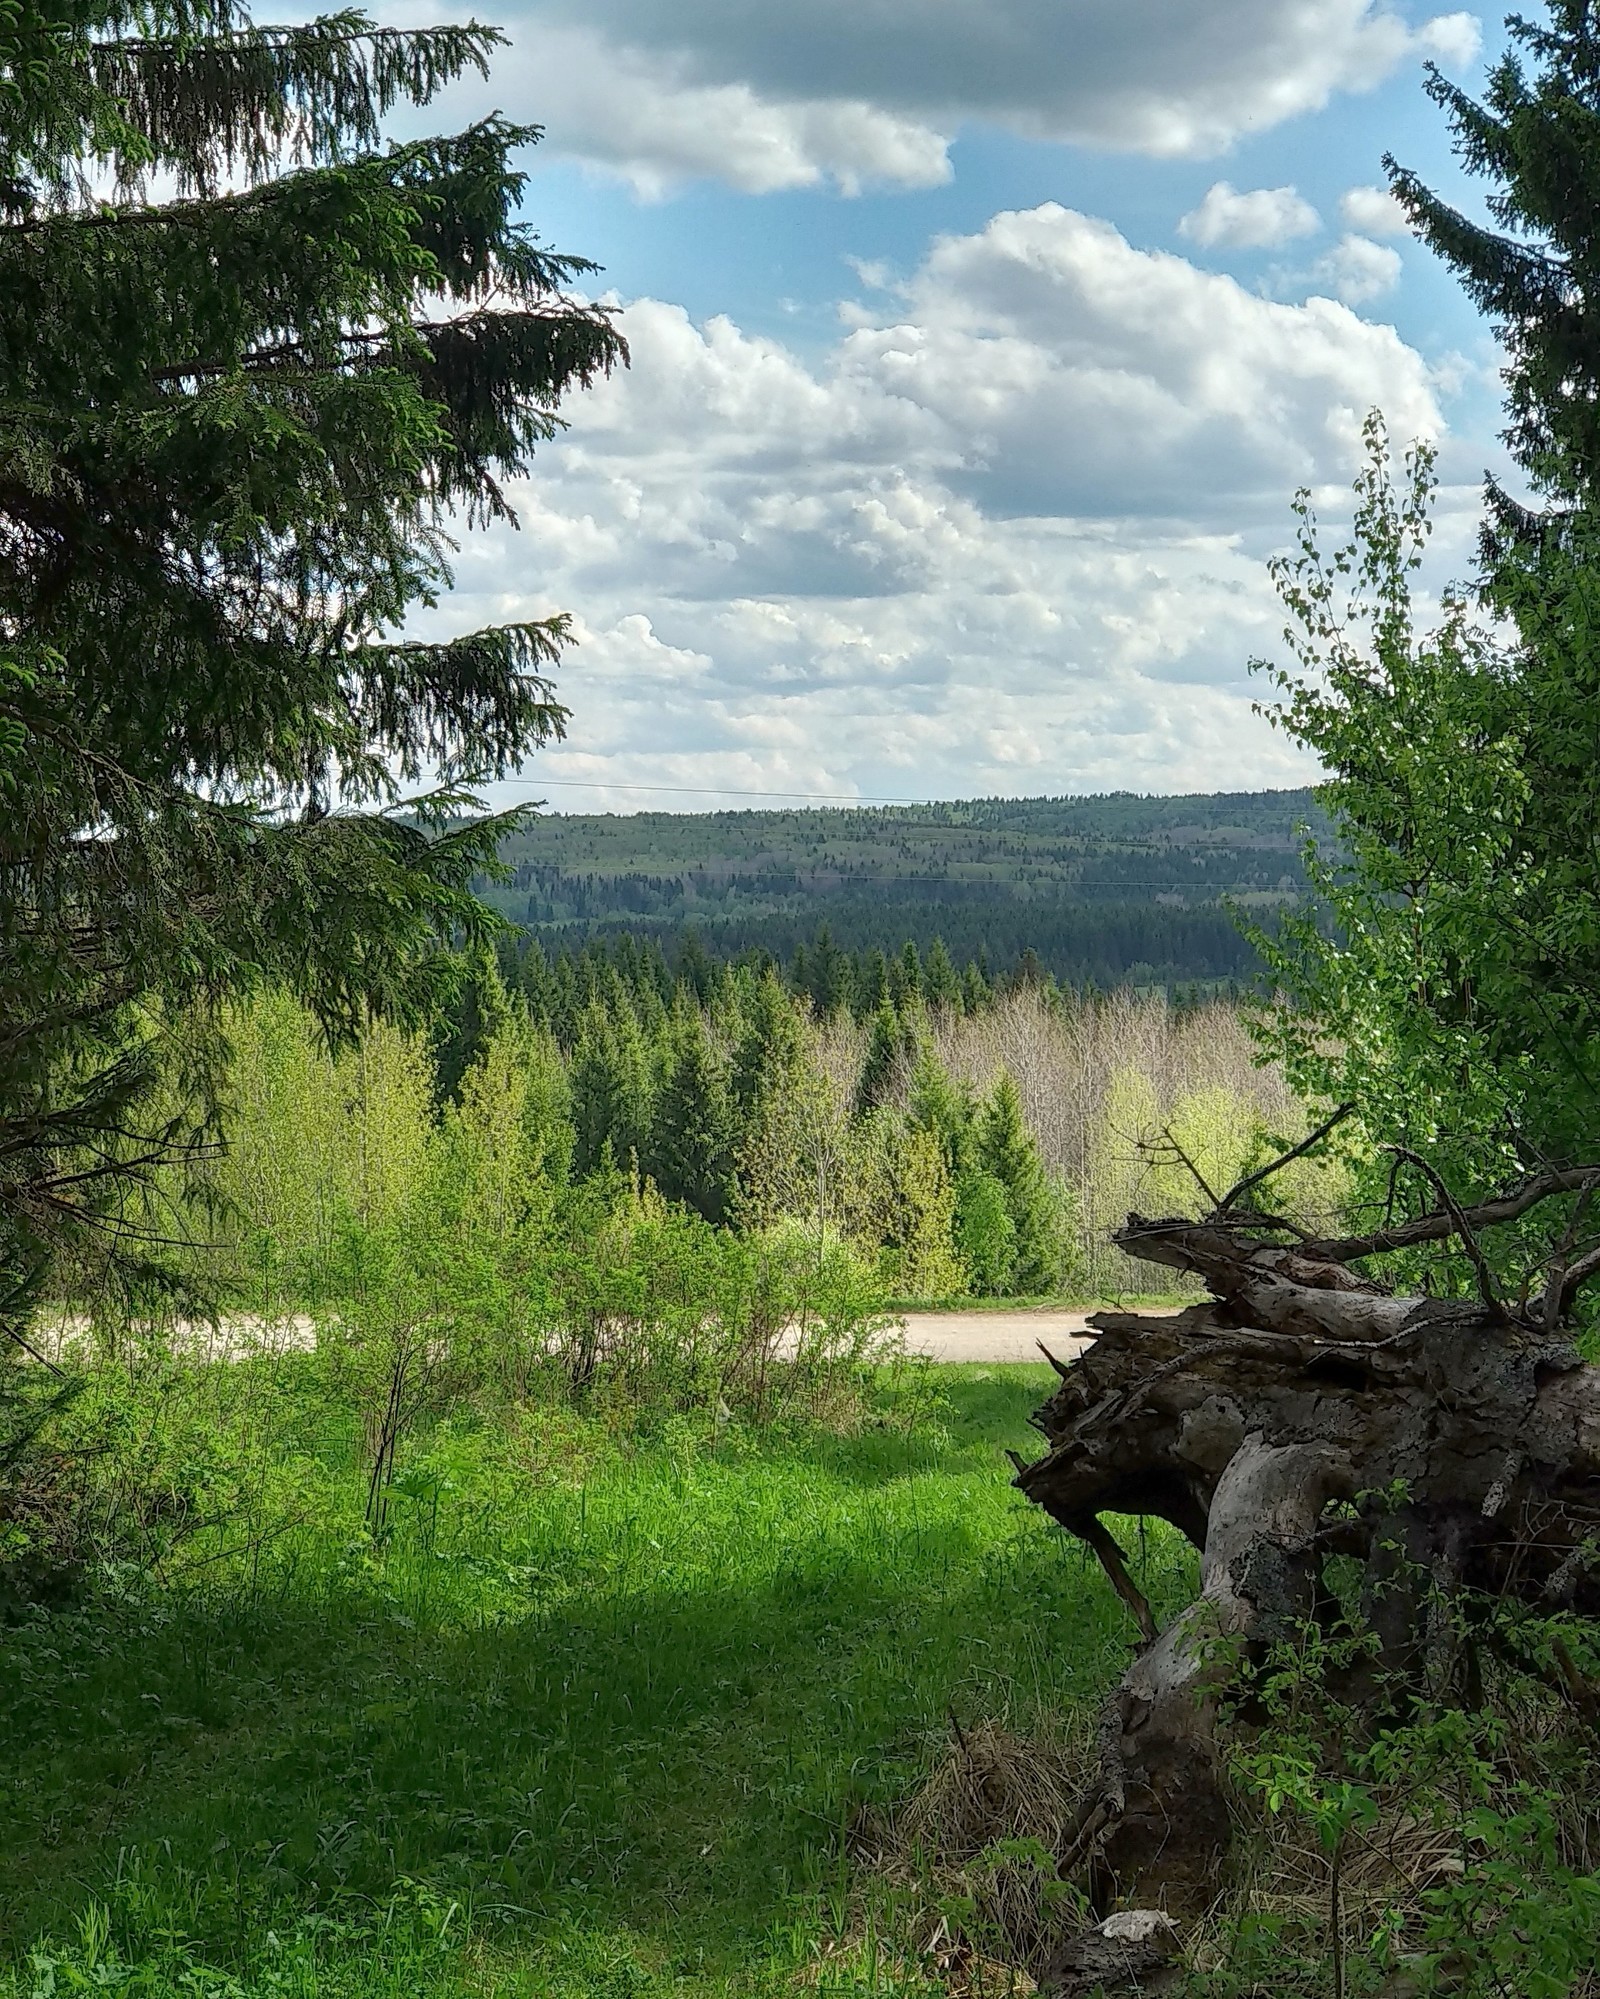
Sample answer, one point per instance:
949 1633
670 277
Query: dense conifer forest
1100 892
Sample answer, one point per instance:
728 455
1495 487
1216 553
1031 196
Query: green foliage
769 1054
1107 891
941 983
986 1235
920 1256
937 1104
1004 1149
613 1090
1455 996
1477 1819
891 1044
1535 138
236 425
692 1131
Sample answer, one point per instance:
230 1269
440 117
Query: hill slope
1118 889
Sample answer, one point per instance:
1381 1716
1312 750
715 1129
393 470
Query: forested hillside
1118 890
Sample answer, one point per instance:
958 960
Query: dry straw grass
971 1858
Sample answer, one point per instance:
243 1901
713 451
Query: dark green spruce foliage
236 427
936 1103
613 1092
1009 1221
888 1044
905 976
1535 138
767 1055
692 1140
941 981
1005 1151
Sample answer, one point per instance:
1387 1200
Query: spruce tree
240 424
872 983
938 1104
940 979
691 1148
905 976
767 1053
829 980
1005 1148
1535 138
612 1091
882 1063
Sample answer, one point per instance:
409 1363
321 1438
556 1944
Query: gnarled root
1462 1440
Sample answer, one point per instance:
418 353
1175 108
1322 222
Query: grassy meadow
599 1712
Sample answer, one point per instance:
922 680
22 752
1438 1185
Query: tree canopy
1456 998
1535 137
256 365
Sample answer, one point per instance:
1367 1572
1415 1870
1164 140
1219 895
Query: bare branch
1441 1225
1242 1187
1194 1171
1463 1228
1114 1562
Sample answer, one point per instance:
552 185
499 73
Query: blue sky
979 346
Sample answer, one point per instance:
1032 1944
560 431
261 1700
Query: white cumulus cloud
1373 211
666 90
1263 218
1359 270
1007 534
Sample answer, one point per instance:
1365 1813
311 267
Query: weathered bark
1243 1421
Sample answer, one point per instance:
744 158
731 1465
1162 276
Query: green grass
591 1722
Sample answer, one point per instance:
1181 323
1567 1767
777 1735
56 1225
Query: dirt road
995 1336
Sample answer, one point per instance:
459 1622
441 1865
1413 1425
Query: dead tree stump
1304 1412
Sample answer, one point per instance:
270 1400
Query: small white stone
1136 1925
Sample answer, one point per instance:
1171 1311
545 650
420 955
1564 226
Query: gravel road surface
995 1336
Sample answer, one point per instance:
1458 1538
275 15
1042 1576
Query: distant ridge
1112 889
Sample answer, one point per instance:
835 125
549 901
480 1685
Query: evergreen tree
872 984
975 994
1029 971
1536 138
936 1103
905 980
940 979
694 968
1005 1149
612 1091
768 1050
478 1012
532 981
882 1063
829 976
921 1241
564 1001
237 423
985 1234
692 1132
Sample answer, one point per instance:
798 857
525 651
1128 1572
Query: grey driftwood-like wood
1303 1411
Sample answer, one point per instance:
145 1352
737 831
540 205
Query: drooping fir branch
1535 139
211 99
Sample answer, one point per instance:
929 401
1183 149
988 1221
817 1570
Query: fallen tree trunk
1300 1413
